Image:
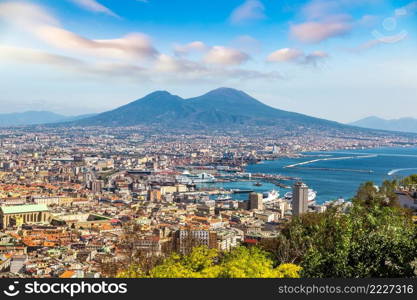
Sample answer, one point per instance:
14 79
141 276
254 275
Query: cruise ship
311 196
223 198
269 196
188 178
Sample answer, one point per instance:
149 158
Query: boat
223 198
188 178
269 196
203 178
311 196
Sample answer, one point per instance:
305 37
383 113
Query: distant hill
36 117
403 124
221 108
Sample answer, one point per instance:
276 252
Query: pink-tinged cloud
367 45
25 14
186 49
118 57
166 63
250 10
284 55
39 22
94 6
315 57
317 9
225 56
296 56
247 44
316 32
132 46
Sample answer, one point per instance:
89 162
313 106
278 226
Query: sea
332 174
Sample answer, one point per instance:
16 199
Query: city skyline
339 60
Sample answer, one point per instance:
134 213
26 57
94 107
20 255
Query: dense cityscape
67 194
154 139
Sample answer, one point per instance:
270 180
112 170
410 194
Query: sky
336 59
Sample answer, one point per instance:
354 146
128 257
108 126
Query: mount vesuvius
223 108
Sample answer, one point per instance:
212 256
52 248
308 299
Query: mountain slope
403 124
36 117
156 107
30 118
239 104
218 108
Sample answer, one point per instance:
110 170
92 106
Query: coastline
327 183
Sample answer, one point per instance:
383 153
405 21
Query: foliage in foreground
375 238
202 262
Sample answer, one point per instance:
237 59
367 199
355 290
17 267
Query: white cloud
218 55
94 6
129 47
25 55
297 56
326 19
247 44
367 20
317 9
25 14
316 32
39 22
314 57
165 69
129 57
366 46
225 56
285 54
186 49
166 63
250 10
69 64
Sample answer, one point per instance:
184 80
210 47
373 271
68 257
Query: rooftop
19 209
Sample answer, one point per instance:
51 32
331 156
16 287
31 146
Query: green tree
369 194
373 239
409 181
202 262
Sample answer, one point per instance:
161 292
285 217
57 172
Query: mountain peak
225 96
402 124
157 97
159 93
226 91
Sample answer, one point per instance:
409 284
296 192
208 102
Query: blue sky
336 59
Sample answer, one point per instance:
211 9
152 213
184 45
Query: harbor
338 177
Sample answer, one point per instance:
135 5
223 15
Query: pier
277 183
335 169
327 159
242 191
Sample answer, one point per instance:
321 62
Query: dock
335 169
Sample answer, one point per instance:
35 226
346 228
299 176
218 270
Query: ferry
188 178
311 196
